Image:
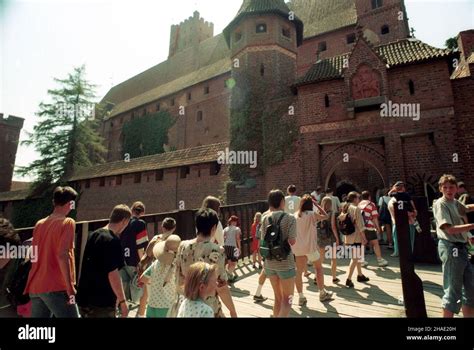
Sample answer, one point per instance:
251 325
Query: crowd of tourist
169 277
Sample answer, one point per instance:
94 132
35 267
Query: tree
451 43
66 136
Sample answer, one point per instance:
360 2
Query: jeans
46 305
395 238
98 312
129 277
458 276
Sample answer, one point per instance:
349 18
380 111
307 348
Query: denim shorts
283 275
458 276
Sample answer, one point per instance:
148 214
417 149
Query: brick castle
333 64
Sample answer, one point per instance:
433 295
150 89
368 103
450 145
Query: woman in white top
306 246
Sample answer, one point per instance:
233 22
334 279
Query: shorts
371 235
283 275
313 257
230 253
153 312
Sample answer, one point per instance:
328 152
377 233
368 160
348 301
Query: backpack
324 228
273 246
345 224
17 284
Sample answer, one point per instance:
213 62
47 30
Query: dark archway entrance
356 175
344 188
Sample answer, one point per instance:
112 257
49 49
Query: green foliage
147 135
66 137
254 126
37 206
280 133
451 43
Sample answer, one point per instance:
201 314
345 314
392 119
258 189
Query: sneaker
259 298
302 301
349 284
394 255
365 263
382 262
325 296
336 280
362 279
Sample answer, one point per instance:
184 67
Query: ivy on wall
37 206
254 126
147 135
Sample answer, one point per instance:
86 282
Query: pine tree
66 136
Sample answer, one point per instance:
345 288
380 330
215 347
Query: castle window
137 178
385 29
111 124
118 180
286 32
411 86
326 101
206 90
88 183
102 182
261 28
189 96
351 38
376 4
322 46
158 107
172 102
185 171
159 175
215 169
262 70
237 37
199 116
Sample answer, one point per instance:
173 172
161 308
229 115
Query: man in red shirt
372 227
52 278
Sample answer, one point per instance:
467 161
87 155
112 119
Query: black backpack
345 224
273 246
17 284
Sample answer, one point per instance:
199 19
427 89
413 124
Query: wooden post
413 296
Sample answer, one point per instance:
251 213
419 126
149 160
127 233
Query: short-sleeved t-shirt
103 254
162 289
195 309
133 238
369 213
451 213
356 215
288 231
292 204
230 236
191 252
49 237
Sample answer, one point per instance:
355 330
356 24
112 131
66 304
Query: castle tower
383 21
9 137
263 39
189 33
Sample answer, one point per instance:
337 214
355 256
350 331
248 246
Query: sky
117 39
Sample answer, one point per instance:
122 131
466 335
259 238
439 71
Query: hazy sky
117 39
